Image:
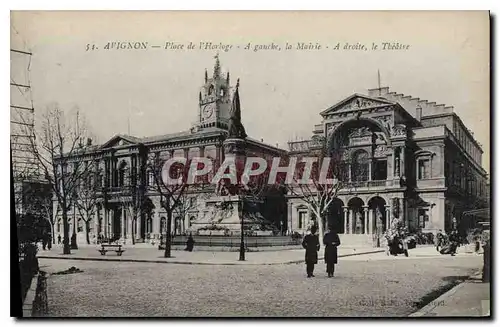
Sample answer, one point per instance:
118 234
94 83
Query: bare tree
60 150
317 181
132 200
86 197
171 194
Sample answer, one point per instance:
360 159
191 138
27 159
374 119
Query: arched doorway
336 216
357 215
377 214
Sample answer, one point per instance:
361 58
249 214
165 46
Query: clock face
208 110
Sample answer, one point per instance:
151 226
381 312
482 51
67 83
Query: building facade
403 157
123 174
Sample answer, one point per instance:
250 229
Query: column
105 222
96 223
289 218
346 220
387 217
308 222
186 153
352 222
396 161
370 163
123 222
370 221
129 226
202 151
111 223
349 169
402 159
366 223
139 225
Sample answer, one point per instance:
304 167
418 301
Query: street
364 285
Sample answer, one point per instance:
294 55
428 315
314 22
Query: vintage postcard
251 164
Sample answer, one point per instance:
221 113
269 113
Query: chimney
262 140
418 113
89 141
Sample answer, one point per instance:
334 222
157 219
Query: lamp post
242 236
281 229
74 246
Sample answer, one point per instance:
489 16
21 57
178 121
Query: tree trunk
169 232
53 227
319 220
87 229
134 222
66 247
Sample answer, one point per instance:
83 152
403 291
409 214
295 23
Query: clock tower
214 99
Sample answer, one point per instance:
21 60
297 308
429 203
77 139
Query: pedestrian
477 242
331 241
190 243
311 244
49 242
59 239
453 242
439 238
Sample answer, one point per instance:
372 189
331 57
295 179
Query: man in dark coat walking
311 244
190 243
331 241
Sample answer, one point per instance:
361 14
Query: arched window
210 90
191 220
359 166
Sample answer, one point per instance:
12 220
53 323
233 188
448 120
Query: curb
30 298
434 303
441 299
194 262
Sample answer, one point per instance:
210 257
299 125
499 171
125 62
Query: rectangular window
424 166
380 170
302 218
423 217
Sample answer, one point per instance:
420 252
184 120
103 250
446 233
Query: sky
281 92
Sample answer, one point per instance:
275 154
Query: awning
480 213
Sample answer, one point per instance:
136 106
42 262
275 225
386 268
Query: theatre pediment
356 102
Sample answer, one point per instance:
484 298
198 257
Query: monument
233 209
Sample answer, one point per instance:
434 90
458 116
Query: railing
378 183
234 241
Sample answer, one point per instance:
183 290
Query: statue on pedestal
236 129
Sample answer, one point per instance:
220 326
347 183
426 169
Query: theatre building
403 157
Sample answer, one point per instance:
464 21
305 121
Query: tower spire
217 66
227 78
206 75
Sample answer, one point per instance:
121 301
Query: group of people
447 244
311 244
